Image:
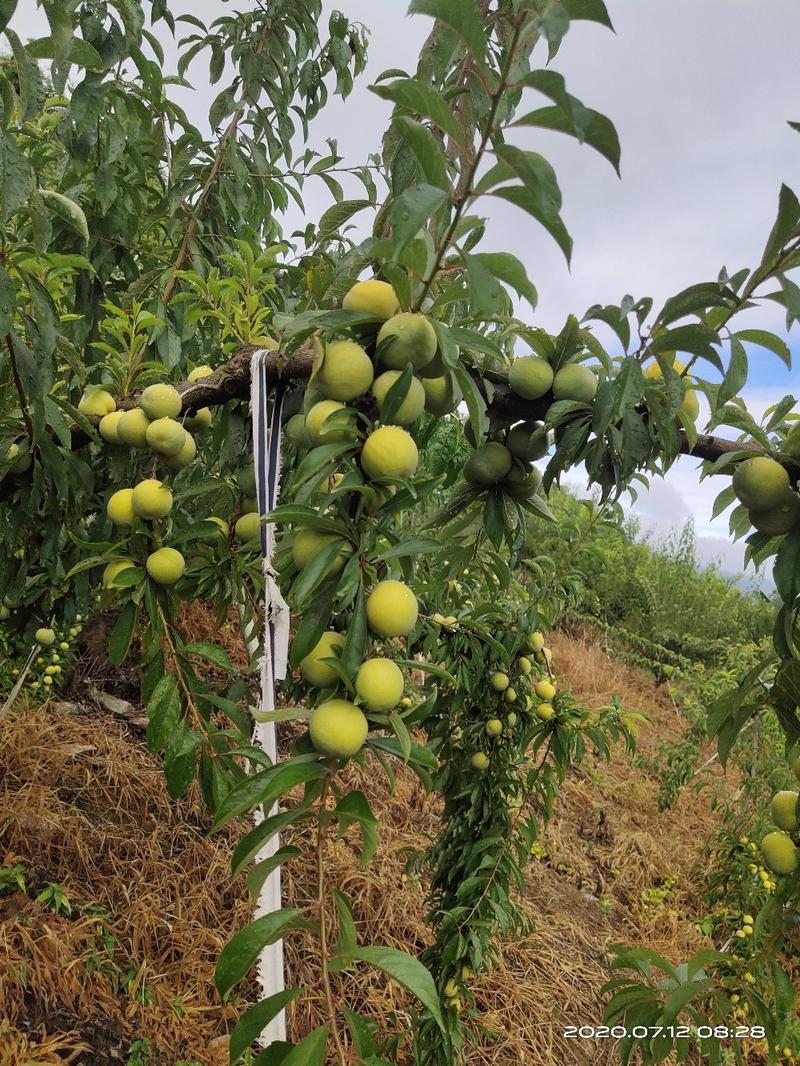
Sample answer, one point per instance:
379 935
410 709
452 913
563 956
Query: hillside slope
82 804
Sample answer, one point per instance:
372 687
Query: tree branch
200 206
232 381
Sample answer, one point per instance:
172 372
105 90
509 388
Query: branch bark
232 381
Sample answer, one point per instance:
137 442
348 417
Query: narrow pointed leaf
241 952
408 971
255 1020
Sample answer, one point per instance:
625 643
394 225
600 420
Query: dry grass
82 804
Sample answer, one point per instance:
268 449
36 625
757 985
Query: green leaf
680 996
589 11
421 99
509 269
218 656
786 571
696 338
552 23
313 625
47 321
693 299
785 698
414 546
163 713
67 210
402 734
315 573
787 226
570 116
335 217
255 1020
180 760
723 501
419 755
539 194
411 210
409 972
354 808
261 871
427 150
614 318
487 299
355 647
735 374
244 947
252 843
309 1052
628 387
59 17
361 1033
266 786
132 15
29 77
283 714
313 463
476 405
80 52
304 518
704 957
348 938
7 8
121 634
765 339
784 990
394 398
16 176
8 302
463 18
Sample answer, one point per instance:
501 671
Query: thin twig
20 682
758 276
323 923
200 206
23 400
466 186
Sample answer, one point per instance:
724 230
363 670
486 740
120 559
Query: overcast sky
700 92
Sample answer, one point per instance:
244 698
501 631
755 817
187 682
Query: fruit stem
323 924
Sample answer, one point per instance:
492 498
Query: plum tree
136 286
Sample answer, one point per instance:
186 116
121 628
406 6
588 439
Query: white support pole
274 658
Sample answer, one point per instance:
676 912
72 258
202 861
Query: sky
701 92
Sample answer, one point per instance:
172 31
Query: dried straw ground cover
83 804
